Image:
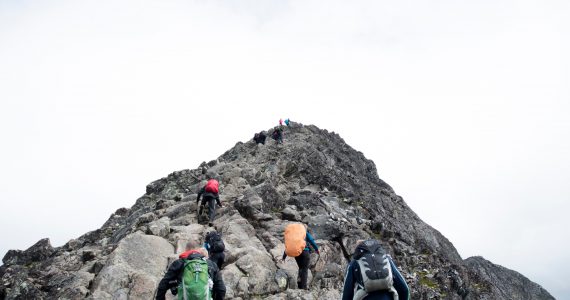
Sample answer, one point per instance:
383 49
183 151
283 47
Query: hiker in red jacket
211 195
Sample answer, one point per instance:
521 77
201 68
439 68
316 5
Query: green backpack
196 282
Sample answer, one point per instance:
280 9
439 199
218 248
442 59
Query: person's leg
212 209
218 258
221 260
303 261
202 203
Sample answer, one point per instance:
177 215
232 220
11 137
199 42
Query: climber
298 243
387 285
215 246
191 273
287 122
259 138
277 135
280 122
210 192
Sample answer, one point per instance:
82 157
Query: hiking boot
210 224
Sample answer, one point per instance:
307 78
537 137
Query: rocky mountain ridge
314 178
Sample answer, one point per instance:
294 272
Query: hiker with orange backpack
211 195
298 243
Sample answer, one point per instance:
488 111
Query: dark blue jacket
208 195
309 241
353 275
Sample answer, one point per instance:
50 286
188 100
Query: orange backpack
295 239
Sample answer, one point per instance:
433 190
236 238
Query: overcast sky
463 105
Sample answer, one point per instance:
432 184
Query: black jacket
174 275
259 138
262 137
277 134
207 195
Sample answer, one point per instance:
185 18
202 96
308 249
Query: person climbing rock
215 246
298 243
277 135
287 122
360 283
280 122
259 138
210 194
189 276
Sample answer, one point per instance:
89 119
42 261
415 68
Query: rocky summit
314 177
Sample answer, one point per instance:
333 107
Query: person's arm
199 195
219 288
348 289
218 200
309 238
399 282
170 276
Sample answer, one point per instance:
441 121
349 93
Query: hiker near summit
211 195
191 275
259 138
298 243
277 135
384 283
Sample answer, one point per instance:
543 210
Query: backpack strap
184 295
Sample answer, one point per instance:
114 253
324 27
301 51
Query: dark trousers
303 261
218 258
211 207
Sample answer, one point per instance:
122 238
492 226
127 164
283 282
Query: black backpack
214 240
374 269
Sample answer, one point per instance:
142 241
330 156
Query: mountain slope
506 283
314 177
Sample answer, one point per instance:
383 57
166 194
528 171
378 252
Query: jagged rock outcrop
315 178
138 262
505 283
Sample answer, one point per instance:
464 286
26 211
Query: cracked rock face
495 275
314 177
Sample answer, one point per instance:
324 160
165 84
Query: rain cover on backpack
212 186
196 283
295 239
375 270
